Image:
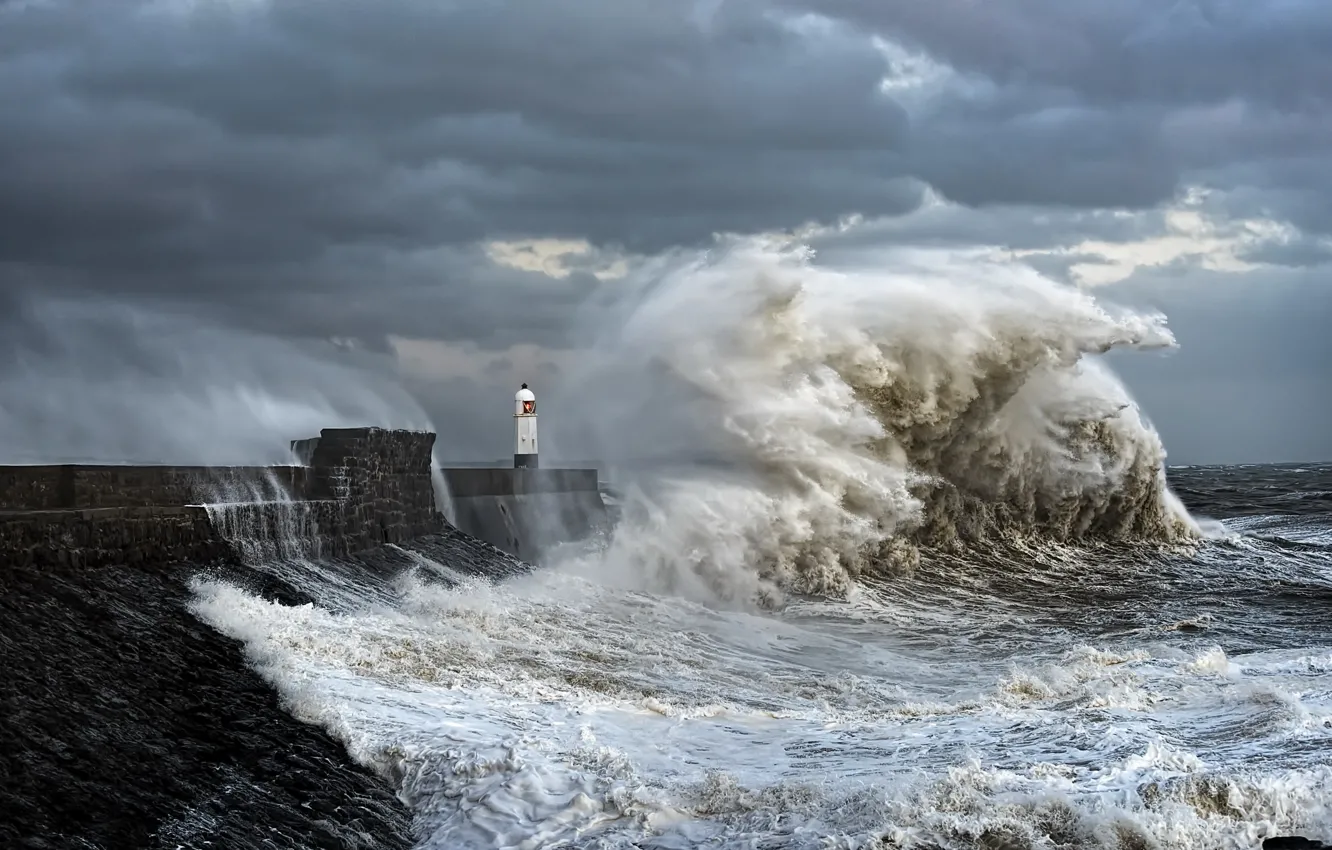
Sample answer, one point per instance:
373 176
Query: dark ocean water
1034 697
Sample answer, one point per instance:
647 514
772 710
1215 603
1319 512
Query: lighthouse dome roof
524 395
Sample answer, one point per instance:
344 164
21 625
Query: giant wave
939 402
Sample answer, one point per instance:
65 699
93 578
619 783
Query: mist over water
105 382
899 568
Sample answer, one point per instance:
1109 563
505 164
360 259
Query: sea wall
123 535
363 487
80 487
385 485
381 481
526 512
352 489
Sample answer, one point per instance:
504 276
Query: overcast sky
303 193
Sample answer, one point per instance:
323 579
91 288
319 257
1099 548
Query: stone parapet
82 486
132 535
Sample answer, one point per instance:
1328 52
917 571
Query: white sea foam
550 709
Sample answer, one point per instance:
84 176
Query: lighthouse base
524 461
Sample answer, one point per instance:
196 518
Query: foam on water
550 709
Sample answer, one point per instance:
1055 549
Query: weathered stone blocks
363 487
76 487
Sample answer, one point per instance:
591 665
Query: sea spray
286 539
440 485
262 521
941 401
103 381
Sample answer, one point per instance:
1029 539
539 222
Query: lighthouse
525 429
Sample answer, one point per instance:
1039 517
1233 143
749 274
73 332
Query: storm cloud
1087 102
344 179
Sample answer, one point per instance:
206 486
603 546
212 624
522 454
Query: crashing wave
809 425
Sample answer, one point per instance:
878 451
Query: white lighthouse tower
525 429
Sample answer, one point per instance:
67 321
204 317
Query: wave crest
793 426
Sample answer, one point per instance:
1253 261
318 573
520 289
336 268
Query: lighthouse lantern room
525 429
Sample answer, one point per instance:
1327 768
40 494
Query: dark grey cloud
1181 53
297 171
1018 228
1087 102
268 132
226 152
1296 253
327 168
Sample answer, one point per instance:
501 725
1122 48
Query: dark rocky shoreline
127 723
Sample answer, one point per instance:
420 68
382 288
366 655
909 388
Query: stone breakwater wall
348 490
381 482
362 487
86 487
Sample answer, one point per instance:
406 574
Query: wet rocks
126 722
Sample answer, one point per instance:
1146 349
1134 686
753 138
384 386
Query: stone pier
362 487
351 488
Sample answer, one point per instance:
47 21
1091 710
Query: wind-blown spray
803 425
106 382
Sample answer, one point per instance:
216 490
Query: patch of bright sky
911 73
557 258
1190 235
1189 232
914 79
